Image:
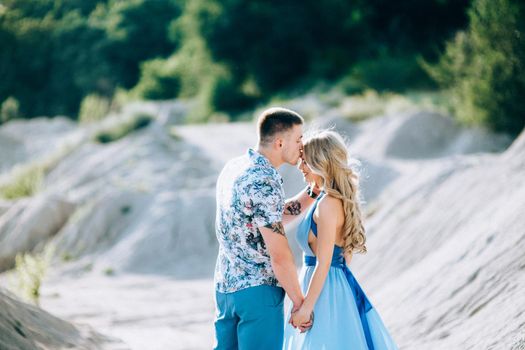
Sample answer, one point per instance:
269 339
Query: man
255 263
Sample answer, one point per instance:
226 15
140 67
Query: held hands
302 318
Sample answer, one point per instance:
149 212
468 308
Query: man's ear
278 142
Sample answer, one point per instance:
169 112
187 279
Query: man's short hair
275 120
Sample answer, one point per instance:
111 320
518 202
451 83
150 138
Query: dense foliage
231 54
55 52
485 66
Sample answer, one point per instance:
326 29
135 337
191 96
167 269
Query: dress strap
313 225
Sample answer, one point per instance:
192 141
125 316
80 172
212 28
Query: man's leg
225 322
261 314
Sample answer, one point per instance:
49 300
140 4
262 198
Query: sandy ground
146 312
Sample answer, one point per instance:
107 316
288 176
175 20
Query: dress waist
337 261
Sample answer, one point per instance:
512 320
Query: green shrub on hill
485 67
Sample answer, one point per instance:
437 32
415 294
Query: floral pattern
249 195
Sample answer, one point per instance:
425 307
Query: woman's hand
302 319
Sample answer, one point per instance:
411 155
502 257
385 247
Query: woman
330 233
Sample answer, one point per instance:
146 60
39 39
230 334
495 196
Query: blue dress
344 317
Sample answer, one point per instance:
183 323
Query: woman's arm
296 205
329 209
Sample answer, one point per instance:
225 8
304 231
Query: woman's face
308 175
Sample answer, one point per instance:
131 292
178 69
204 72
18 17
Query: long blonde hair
326 154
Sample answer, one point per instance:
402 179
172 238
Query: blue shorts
250 319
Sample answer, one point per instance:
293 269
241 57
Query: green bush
351 85
25 182
30 271
187 72
93 108
225 94
159 80
10 110
387 73
192 73
137 122
485 67
27 179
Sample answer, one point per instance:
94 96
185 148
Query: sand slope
132 225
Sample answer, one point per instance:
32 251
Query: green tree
55 52
485 66
275 45
137 31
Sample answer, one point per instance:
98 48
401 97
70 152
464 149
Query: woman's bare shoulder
330 206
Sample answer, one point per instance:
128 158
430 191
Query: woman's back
344 317
332 210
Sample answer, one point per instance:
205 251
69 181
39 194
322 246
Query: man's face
293 144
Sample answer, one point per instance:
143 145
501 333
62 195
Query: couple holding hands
255 266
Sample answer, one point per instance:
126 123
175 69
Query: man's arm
296 205
282 260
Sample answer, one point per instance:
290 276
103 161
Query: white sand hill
132 226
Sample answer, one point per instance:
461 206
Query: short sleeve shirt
249 195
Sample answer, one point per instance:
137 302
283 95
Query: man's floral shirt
249 195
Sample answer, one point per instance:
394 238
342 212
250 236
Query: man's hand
301 318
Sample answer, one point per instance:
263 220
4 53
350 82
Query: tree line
230 55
